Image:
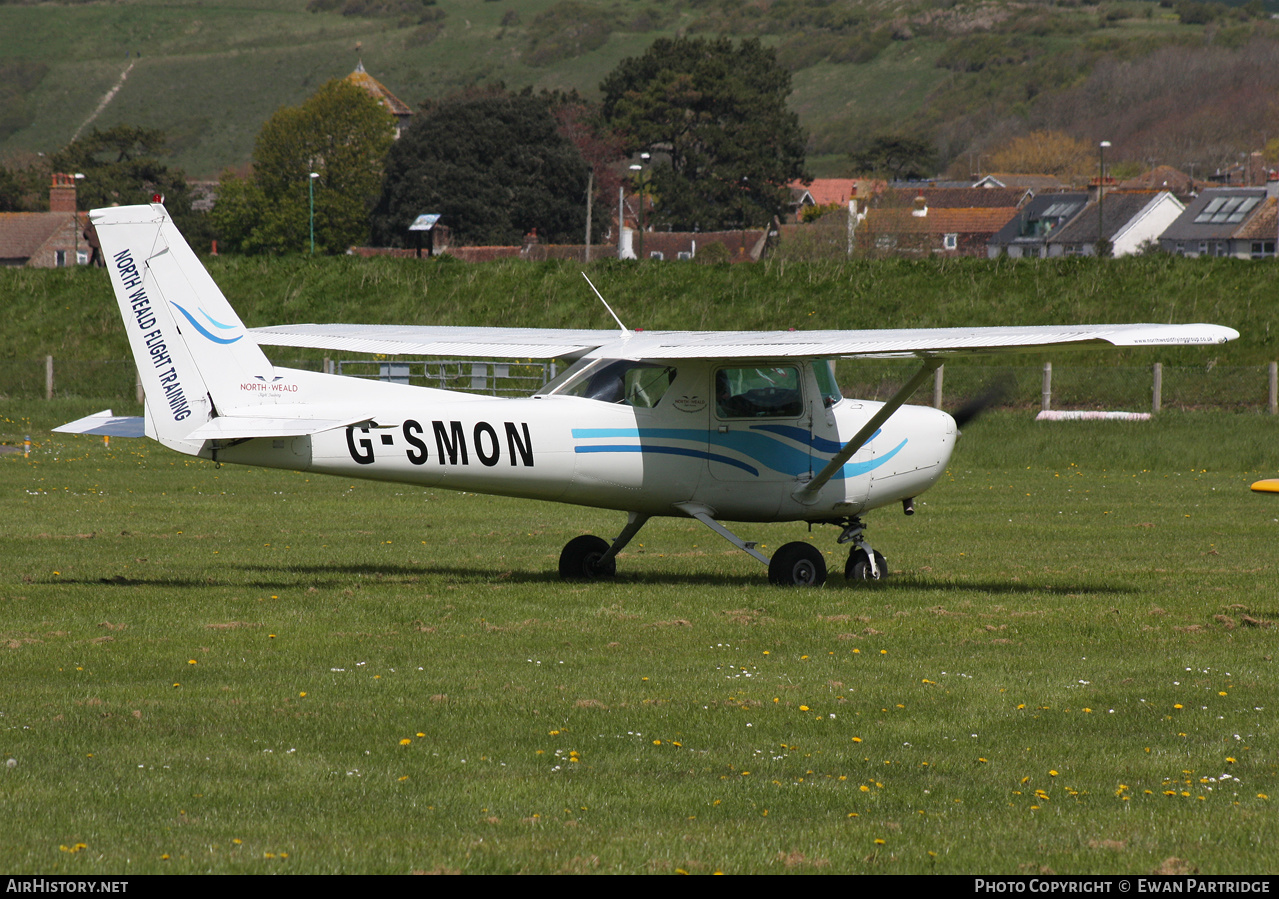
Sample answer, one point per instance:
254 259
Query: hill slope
964 74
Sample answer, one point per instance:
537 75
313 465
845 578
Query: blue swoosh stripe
799 435
199 327
217 324
670 451
759 447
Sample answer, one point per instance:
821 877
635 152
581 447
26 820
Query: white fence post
1157 391
48 377
1274 388
1046 394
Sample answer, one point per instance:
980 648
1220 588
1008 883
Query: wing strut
807 492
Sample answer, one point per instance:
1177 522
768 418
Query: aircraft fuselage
592 452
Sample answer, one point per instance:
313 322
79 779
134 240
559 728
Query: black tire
858 567
580 559
797 564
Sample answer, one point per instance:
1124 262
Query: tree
1046 153
600 146
896 157
493 164
340 133
122 167
714 117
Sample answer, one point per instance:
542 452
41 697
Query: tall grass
72 312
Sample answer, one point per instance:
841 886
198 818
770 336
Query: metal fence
1137 388
492 378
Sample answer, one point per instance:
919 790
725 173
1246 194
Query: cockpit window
758 392
638 384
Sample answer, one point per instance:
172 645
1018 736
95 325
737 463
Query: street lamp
639 174
1101 192
310 185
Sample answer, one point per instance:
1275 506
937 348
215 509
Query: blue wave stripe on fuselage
669 451
203 331
768 451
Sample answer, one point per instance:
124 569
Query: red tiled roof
826 191
22 233
896 220
1263 224
958 197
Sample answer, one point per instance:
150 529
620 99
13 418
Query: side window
772 392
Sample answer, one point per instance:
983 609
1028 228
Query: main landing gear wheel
580 559
858 567
797 564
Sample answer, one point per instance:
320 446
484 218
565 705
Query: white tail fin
189 345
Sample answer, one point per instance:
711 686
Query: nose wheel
859 567
864 562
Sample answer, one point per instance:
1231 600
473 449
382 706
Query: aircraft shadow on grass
338 576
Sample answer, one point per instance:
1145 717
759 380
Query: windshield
639 384
824 369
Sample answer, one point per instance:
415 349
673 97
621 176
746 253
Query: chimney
921 206
62 193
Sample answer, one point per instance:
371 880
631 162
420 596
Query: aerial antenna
625 333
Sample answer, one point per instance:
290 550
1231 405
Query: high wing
549 343
397 340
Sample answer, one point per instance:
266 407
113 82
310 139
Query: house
1036 183
1165 177
958 197
746 245
1250 173
52 239
827 193
391 103
952 221
1026 236
1127 220
922 230
1262 230
1225 221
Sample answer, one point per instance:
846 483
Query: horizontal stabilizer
243 427
104 424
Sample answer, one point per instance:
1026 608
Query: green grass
1071 598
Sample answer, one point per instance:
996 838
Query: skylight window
1226 210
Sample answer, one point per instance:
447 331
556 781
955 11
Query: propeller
993 395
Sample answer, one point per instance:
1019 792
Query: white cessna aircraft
716 426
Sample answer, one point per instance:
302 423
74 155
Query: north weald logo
205 332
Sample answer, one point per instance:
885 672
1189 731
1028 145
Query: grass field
237 670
